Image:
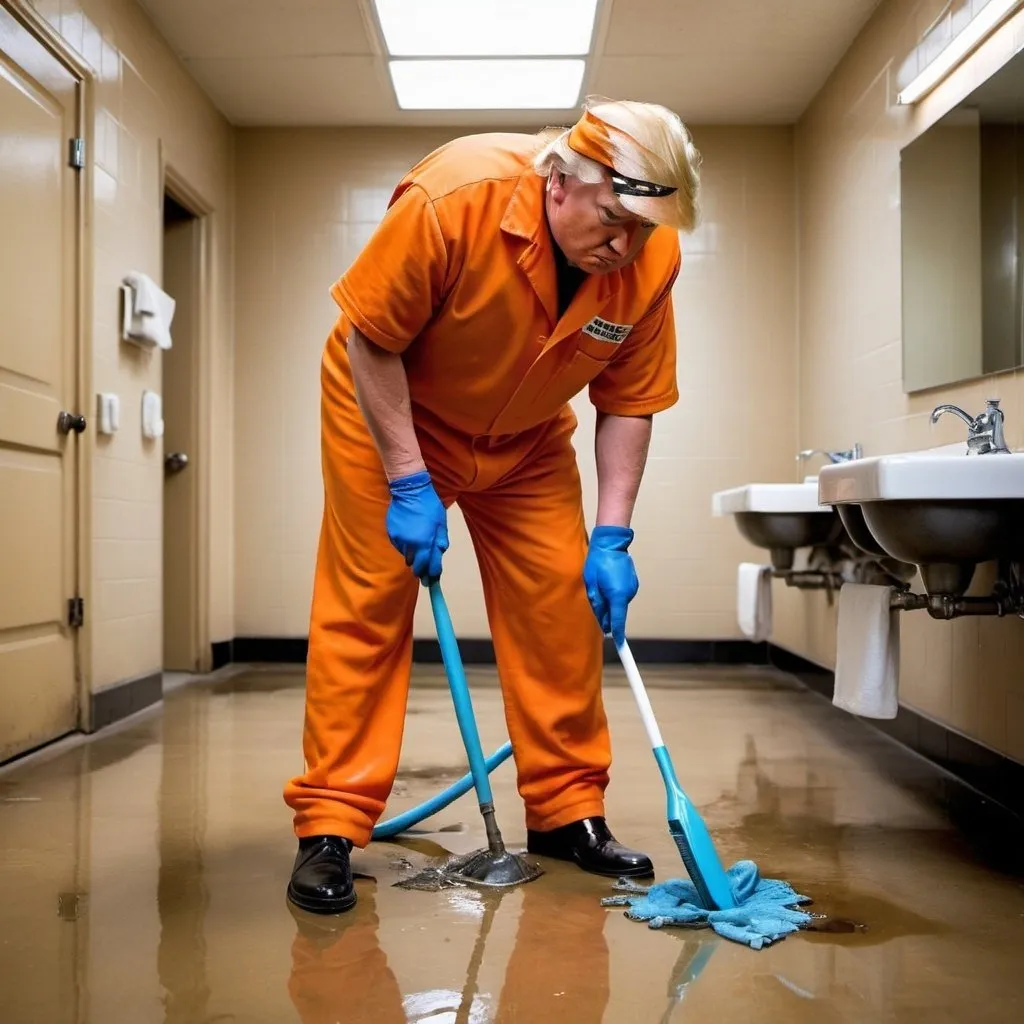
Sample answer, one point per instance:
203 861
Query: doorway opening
183 280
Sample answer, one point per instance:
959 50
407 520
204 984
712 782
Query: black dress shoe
590 844
322 876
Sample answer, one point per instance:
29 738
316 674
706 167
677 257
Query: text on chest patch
605 330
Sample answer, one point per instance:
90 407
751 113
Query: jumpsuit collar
525 218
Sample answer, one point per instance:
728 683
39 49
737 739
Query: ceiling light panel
487 84
486 28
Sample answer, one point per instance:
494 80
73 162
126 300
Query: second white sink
768 498
939 475
779 517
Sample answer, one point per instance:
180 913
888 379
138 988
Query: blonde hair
645 141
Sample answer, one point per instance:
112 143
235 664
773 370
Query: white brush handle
636 684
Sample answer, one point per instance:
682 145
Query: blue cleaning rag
765 908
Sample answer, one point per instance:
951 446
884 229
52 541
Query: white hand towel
754 600
868 657
149 311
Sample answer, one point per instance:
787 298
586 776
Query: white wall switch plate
108 411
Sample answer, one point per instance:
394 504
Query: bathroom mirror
962 221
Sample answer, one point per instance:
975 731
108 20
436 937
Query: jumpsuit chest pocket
588 358
554 381
595 348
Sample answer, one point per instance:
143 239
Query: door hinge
76 153
76 612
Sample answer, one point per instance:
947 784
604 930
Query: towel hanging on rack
148 311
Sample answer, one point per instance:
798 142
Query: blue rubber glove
610 577
417 525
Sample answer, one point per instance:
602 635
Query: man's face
591 227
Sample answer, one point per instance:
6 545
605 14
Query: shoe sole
638 872
322 906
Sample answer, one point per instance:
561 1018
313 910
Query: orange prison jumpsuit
460 279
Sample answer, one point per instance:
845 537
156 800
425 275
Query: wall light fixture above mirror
965 25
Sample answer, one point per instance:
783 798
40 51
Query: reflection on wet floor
143 876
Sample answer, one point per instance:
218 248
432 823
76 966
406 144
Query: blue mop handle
460 693
400 822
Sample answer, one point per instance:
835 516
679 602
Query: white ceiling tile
692 27
297 90
261 28
741 94
319 62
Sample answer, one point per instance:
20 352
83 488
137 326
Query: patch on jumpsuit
605 330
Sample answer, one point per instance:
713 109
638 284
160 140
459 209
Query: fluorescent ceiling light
486 28
977 30
487 84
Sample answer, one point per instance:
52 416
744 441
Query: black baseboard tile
223 653
986 771
277 650
994 775
480 651
113 703
811 675
691 652
474 651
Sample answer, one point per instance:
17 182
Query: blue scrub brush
688 830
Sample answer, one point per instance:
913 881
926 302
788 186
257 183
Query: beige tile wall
968 673
307 201
146 110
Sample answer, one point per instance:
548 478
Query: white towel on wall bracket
868 652
754 600
147 312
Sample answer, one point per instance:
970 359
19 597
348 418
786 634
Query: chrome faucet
834 457
984 432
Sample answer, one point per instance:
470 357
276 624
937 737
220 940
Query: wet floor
142 876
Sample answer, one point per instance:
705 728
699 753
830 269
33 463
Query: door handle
66 422
175 462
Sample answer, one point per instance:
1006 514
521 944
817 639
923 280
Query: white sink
779 517
942 510
768 498
940 475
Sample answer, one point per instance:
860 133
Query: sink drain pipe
401 822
